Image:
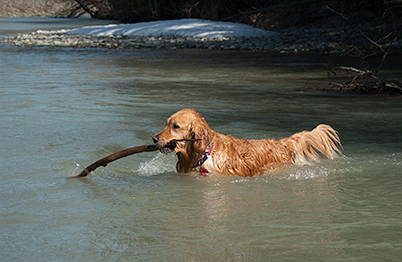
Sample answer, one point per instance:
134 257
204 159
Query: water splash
308 172
74 169
161 163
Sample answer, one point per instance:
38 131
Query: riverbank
323 39
323 27
32 8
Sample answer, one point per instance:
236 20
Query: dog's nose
155 139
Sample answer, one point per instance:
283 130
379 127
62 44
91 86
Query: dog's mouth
168 148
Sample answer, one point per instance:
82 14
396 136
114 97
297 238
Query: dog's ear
200 130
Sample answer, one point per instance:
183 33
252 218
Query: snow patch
178 28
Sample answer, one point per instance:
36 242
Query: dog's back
243 157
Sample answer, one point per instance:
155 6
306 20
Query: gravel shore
336 40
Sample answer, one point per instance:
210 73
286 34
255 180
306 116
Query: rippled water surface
61 108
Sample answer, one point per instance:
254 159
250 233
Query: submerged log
123 153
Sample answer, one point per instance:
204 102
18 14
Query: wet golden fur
241 157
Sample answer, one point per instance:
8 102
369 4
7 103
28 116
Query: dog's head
184 125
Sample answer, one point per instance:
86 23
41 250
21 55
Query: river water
62 108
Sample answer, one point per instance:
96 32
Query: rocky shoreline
335 41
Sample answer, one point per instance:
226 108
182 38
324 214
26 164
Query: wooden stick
123 153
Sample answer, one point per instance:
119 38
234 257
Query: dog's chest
208 165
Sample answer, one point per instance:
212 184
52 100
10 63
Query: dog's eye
176 126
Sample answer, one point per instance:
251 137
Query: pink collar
204 158
206 155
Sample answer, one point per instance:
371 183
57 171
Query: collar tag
203 171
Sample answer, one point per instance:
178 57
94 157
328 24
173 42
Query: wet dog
198 147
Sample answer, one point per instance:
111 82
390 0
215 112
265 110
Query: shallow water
61 108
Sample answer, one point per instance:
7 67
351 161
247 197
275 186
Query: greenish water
61 106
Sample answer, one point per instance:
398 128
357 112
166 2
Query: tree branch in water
365 81
123 153
113 157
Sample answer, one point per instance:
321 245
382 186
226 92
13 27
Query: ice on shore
178 28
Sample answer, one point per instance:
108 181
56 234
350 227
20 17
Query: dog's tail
322 141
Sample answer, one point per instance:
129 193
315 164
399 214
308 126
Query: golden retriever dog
198 147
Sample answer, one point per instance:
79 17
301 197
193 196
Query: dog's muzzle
165 149
168 148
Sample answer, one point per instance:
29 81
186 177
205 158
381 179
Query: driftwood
365 81
126 152
123 153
